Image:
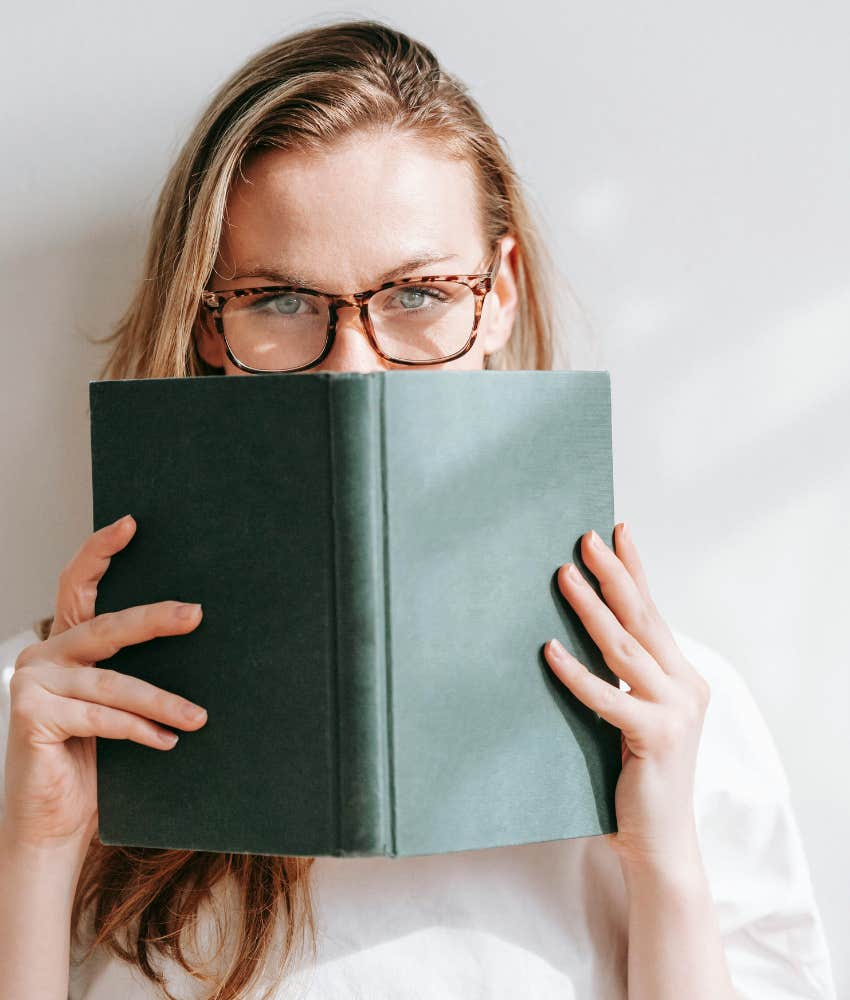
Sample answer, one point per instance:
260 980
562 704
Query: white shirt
546 920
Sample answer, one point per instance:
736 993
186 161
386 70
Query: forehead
355 208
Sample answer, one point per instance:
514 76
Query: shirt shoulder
12 644
734 729
751 843
9 649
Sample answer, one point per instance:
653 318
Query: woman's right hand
60 700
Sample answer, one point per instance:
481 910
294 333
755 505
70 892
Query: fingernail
557 649
122 520
194 712
594 539
188 610
574 574
626 534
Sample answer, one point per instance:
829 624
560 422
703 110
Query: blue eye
290 301
424 292
281 305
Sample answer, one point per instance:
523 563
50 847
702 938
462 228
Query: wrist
678 868
48 858
677 862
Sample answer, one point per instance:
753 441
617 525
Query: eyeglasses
413 321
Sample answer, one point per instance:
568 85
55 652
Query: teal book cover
376 556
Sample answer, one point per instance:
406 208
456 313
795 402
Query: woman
344 157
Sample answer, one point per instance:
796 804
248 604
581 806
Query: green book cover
376 555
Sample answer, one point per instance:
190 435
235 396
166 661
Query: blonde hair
304 91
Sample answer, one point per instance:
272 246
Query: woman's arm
38 886
59 702
675 947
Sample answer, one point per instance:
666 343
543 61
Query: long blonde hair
304 91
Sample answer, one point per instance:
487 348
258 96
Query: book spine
363 808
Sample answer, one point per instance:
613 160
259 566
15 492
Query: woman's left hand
661 716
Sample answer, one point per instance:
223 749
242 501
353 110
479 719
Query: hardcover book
376 556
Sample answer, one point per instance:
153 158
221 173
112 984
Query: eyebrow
280 277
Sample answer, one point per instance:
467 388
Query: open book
376 555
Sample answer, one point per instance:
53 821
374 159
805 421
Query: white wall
693 166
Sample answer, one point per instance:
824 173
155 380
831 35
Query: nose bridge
341 302
357 353
344 300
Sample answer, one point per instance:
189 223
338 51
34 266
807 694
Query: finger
621 650
616 706
75 598
624 586
628 554
102 636
130 694
67 717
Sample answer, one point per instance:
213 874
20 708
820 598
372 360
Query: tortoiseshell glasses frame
479 284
